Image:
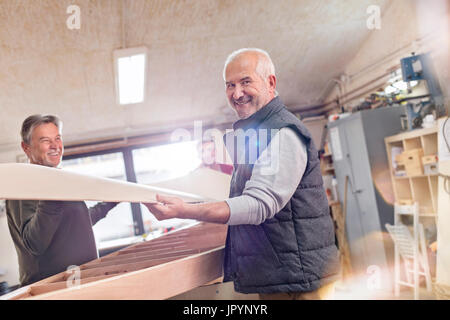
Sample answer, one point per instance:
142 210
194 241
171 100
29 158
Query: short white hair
264 67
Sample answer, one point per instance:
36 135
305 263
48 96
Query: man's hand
172 207
167 207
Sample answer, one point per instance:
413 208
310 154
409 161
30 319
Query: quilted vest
294 251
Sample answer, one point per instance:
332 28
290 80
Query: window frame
130 175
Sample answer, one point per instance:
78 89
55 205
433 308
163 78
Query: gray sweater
275 177
50 236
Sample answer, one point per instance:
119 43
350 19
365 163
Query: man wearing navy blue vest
280 242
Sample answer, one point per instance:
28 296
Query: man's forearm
216 212
100 210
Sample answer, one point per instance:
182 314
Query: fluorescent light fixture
130 70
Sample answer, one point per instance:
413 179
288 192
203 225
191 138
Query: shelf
431 215
411 134
421 188
418 176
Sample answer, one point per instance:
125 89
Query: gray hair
265 65
36 120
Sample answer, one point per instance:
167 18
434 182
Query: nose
238 92
54 144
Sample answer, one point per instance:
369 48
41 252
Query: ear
272 81
25 148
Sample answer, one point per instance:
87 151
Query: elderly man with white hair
280 242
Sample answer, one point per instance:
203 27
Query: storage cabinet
426 188
413 184
364 187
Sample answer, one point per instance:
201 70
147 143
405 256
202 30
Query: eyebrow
42 138
243 79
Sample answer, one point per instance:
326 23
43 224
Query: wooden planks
156 269
160 282
35 182
345 259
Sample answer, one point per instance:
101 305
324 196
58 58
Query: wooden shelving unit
326 162
418 190
328 174
421 188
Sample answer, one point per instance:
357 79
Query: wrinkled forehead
243 65
45 129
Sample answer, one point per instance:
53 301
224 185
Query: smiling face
46 145
246 90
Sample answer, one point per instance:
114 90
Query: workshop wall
405 28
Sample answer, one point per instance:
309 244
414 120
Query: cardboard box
430 164
412 160
399 167
430 159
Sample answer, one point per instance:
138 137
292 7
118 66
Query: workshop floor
220 291
405 294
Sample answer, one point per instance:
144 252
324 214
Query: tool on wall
415 68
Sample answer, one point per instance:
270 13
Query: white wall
315 127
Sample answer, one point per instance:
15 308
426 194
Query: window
161 163
397 85
130 66
145 165
165 162
119 221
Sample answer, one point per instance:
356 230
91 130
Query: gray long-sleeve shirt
275 177
50 236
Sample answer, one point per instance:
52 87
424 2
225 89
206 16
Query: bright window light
390 89
396 83
401 85
161 163
130 72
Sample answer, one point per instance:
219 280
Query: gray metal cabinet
359 153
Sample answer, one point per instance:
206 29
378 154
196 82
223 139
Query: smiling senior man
50 236
280 240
